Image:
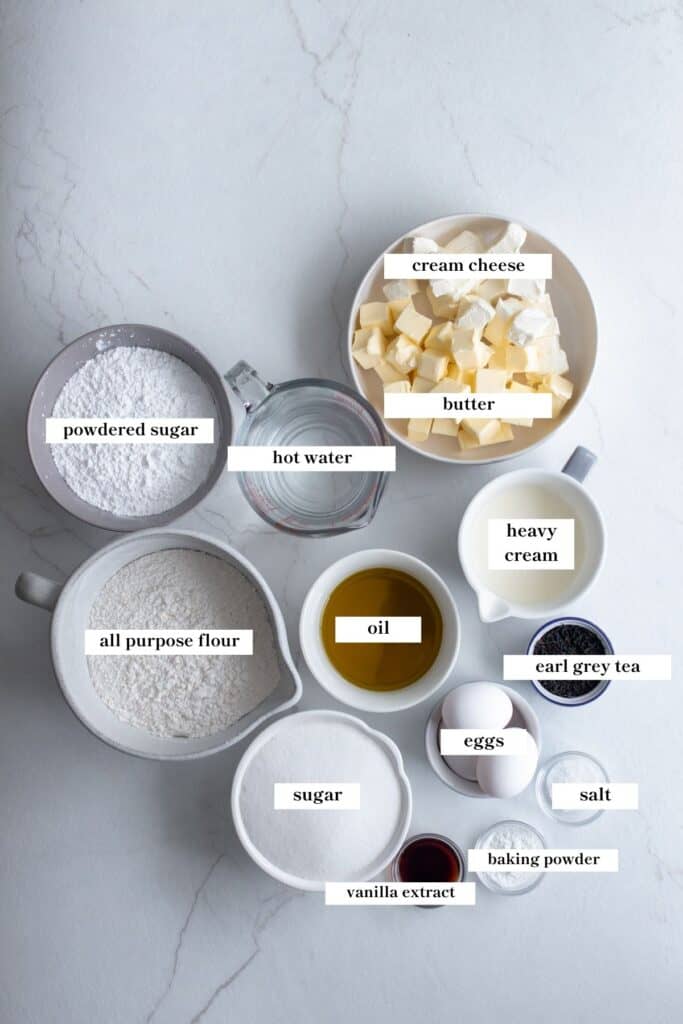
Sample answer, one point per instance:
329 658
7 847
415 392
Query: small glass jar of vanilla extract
428 857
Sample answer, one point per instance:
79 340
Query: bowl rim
342 690
433 225
392 748
130 524
251 571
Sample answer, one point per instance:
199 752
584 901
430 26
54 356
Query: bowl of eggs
486 706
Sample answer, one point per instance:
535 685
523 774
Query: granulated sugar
191 695
134 479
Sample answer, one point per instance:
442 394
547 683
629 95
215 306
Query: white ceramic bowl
71 605
310 636
578 326
523 716
393 844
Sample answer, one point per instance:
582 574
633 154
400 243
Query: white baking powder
134 479
512 835
191 695
326 845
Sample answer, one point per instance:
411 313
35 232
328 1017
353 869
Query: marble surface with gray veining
228 171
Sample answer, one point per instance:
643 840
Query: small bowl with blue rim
570 693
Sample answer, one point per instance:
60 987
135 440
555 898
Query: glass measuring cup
308 412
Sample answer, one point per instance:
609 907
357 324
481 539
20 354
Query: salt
134 479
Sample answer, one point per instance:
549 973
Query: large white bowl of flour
308 847
168 708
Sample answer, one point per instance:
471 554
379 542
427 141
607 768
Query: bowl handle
38 590
247 385
580 463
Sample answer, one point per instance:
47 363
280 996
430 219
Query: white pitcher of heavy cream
531 585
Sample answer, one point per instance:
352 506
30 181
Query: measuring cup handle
247 385
38 590
580 463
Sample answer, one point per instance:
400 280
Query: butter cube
376 314
466 241
368 346
421 385
474 312
474 357
497 328
397 387
490 380
561 390
400 289
492 289
452 387
439 337
467 440
450 428
515 386
526 288
482 430
396 307
464 377
413 324
432 365
403 353
388 373
546 356
419 429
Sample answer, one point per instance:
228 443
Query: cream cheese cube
526 288
512 240
531 323
403 353
474 312
400 289
544 303
419 429
398 387
482 430
466 241
497 328
422 245
413 324
368 346
388 373
490 380
376 314
546 356
432 365
445 305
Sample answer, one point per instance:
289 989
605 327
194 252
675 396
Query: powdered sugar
192 695
136 479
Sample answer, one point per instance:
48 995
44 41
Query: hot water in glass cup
308 412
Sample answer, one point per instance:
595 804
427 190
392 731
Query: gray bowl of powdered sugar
129 371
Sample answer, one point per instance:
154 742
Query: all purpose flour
191 695
134 479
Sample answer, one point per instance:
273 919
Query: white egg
476 706
506 775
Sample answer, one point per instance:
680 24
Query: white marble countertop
228 171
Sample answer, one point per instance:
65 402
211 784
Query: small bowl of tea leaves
567 636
